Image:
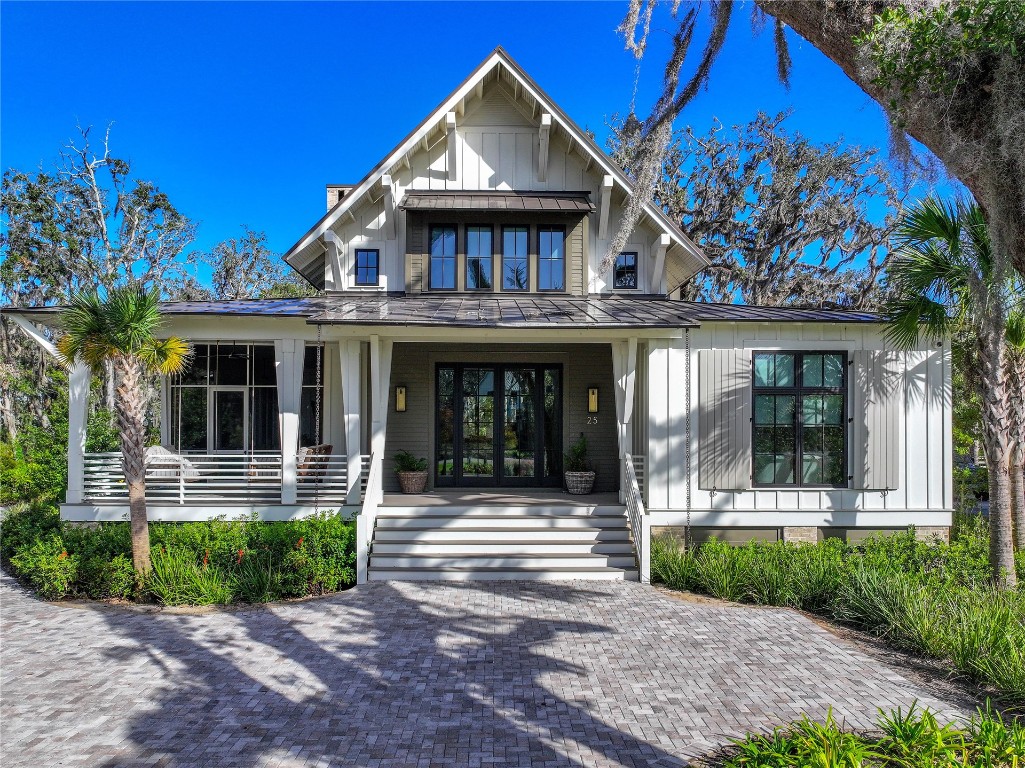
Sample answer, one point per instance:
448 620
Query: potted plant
412 472
578 472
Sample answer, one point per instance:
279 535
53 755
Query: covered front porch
285 412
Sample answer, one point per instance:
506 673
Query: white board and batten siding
496 148
899 439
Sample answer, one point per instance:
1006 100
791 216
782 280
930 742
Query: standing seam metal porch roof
499 311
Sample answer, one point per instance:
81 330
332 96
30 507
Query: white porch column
348 356
78 406
624 369
288 368
380 381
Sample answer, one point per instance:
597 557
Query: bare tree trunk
131 415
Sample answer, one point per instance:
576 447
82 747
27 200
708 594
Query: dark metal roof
499 311
533 311
549 202
749 313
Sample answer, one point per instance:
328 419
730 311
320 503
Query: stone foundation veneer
806 534
928 533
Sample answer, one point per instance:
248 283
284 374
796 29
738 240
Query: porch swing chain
316 415
687 534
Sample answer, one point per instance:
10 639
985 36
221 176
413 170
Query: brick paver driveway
571 673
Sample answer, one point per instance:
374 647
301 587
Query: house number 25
592 419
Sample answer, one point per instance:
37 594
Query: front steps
482 542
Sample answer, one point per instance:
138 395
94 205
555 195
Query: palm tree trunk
131 417
1017 491
997 428
1014 368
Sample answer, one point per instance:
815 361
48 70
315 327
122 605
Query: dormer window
551 252
443 259
367 266
625 273
479 272
515 260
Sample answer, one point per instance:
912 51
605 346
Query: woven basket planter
412 482
579 482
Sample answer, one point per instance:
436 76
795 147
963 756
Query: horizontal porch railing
220 479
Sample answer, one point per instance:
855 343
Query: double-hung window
443 258
800 419
551 259
367 266
515 259
479 275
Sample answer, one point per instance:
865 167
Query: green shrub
48 567
912 739
201 562
176 579
927 597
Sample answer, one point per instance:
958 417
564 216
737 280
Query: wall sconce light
400 399
592 400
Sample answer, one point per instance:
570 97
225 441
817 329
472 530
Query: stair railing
367 517
640 523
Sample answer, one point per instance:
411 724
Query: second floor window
625 273
443 258
515 269
551 273
367 266
478 259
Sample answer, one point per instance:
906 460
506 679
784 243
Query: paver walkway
401 674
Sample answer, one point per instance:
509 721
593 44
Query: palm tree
121 331
1014 371
944 277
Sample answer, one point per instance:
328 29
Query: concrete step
502 547
510 510
505 562
500 574
533 522
483 535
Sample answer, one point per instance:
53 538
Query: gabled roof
499 61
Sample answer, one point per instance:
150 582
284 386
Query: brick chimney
336 192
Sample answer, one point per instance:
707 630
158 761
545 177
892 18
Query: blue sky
242 112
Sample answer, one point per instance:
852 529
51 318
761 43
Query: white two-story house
463 317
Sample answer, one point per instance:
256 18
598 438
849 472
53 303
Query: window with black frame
443 258
800 419
367 266
551 259
624 274
478 259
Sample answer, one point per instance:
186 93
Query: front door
498 424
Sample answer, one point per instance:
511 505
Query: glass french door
228 423
498 425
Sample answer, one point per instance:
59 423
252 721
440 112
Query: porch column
380 381
78 405
348 356
624 369
288 368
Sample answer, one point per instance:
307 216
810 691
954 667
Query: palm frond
166 356
910 317
1016 330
